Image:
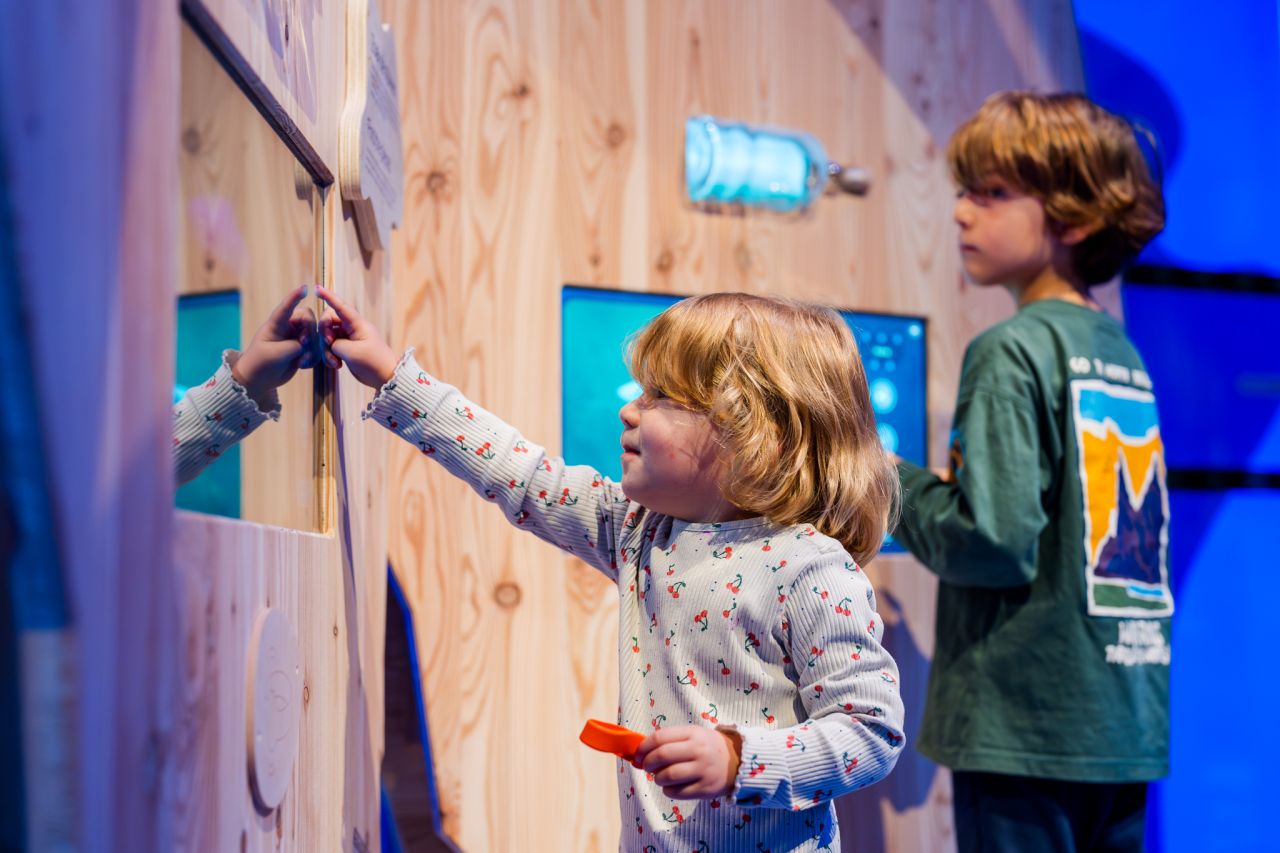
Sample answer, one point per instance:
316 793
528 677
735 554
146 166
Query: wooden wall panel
542 142
330 584
358 511
292 56
227 572
426 251
320 468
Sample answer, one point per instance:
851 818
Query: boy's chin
980 280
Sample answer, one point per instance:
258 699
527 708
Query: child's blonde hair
784 384
1080 161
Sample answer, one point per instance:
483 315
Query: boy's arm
980 527
572 507
848 684
213 416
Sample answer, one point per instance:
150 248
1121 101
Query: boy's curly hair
784 384
1082 162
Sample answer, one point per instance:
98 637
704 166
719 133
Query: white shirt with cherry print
769 629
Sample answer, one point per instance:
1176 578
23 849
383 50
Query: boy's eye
987 192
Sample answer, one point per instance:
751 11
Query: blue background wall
1204 308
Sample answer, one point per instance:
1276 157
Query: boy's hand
355 341
280 346
689 762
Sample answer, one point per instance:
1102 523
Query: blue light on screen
597 324
208 323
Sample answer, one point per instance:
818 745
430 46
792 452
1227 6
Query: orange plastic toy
608 737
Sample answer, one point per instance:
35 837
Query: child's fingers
279 319
341 348
307 358
667 755
302 317
348 315
291 350
652 742
678 775
329 325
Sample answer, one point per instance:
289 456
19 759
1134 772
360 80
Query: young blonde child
753 487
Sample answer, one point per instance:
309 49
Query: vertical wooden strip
426 262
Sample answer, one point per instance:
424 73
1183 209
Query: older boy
1048 696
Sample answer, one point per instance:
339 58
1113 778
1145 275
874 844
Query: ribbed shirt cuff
763 771
232 395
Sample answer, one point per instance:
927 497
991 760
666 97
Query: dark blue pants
1017 814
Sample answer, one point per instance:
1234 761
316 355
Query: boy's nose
962 213
629 414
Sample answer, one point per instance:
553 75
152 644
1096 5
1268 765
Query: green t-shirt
1050 543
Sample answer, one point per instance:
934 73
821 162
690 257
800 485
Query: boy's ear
1077 234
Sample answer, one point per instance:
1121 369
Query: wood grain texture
227 572
542 145
290 55
426 252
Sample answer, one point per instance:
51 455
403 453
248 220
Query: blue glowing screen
597 324
208 323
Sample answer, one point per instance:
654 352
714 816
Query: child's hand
689 762
280 346
353 339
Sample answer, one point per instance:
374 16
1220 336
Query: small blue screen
208 323
596 326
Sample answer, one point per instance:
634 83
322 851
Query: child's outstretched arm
570 506
241 394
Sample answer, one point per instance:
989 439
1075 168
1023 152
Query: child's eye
987 192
